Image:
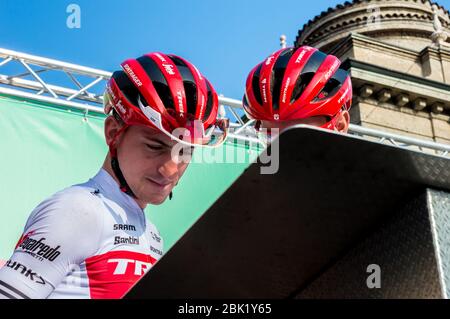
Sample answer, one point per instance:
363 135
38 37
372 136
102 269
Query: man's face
145 158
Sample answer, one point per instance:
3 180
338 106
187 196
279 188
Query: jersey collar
110 187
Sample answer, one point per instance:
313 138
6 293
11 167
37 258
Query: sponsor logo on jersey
124 227
38 248
156 237
112 274
96 192
155 250
140 267
23 238
28 273
126 240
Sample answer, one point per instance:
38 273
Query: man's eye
154 147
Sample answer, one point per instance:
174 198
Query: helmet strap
124 187
258 125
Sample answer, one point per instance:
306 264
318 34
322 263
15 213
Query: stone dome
405 23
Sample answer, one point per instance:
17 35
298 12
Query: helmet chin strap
124 187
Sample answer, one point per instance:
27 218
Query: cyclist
92 240
299 86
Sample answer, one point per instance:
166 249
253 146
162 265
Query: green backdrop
45 148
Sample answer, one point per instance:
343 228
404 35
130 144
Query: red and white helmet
168 93
296 84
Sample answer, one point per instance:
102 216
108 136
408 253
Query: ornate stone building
398 54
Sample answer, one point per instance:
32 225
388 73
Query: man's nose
169 169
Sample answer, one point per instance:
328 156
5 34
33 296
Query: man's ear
112 126
343 122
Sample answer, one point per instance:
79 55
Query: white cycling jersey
87 241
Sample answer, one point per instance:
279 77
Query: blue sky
224 39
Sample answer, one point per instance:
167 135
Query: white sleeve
62 231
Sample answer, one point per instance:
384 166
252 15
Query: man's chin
157 199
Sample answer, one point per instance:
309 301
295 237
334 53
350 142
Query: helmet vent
158 80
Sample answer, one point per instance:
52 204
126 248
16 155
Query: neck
107 167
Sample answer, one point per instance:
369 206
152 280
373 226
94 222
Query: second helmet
295 84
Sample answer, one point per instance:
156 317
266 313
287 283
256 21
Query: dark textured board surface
404 249
268 236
